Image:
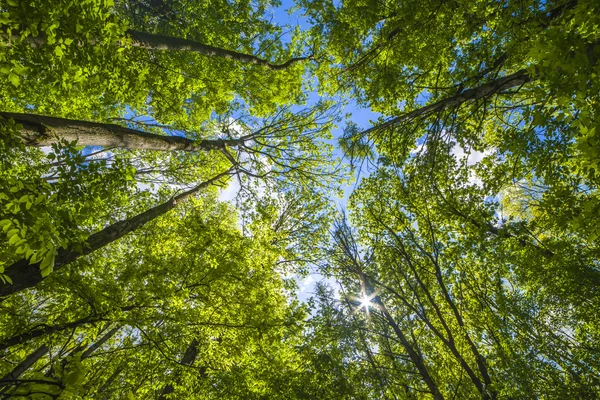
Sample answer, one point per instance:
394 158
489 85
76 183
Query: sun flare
365 302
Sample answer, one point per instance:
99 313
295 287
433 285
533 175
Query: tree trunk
515 79
151 41
50 329
45 330
487 89
41 130
98 343
24 275
26 364
110 379
344 239
448 341
412 353
188 359
52 371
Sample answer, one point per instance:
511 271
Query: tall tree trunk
41 130
344 239
88 352
414 355
188 359
449 341
98 343
110 379
50 329
487 89
93 347
24 275
515 79
25 364
151 41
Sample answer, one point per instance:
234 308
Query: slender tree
23 274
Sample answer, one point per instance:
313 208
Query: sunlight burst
365 302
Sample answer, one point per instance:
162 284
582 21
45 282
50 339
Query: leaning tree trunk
414 355
98 343
23 366
188 359
93 347
487 89
44 330
515 79
150 41
25 275
88 352
41 130
344 239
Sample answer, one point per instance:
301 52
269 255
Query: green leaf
6 278
14 79
47 263
13 239
74 377
12 232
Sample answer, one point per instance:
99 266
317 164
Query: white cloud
46 149
231 191
473 157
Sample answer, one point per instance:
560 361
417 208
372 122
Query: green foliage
95 72
187 276
469 267
47 199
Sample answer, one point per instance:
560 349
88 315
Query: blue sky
361 116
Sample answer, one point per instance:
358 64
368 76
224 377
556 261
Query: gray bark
41 130
188 359
25 364
98 343
487 89
150 41
25 275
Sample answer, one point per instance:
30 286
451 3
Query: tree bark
88 352
188 359
98 343
45 330
41 130
412 353
449 342
25 275
151 41
50 329
487 89
515 79
110 379
25 364
345 240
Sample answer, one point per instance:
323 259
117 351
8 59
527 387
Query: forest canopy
175 174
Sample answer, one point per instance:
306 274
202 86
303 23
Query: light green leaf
14 79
